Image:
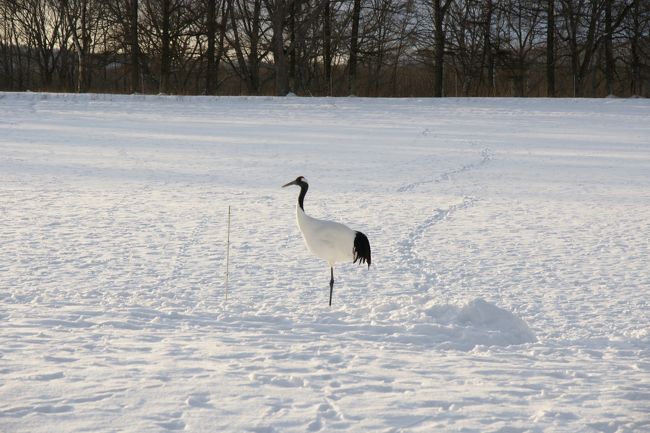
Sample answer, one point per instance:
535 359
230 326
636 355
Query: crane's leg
331 284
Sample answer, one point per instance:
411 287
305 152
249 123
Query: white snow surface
509 288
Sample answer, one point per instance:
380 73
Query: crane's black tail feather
361 249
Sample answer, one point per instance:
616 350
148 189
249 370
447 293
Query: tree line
328 47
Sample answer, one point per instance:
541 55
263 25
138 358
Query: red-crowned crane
329 240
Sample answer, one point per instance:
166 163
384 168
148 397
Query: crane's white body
329 240
332 242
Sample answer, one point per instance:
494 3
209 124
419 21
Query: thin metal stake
228 253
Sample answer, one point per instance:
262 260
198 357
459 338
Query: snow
508 291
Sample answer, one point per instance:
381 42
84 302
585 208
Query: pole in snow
227 253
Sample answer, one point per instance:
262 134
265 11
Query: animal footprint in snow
327 411
315 425
198 400
174 424
281 381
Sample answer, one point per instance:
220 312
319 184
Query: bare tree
216 16
292 23
403 35
521 35
637 35
278 10
122 18
7 40
40 23
171 43
465 40
247 31
440 9
82 18
584 34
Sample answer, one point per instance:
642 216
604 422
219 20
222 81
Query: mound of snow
421 321
500 326
478 323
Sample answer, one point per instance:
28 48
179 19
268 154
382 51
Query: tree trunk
211 34
84 67
4 44
293 61
354 48
609 56
78 26
248 66
635 49
279 55
570 23
22 78
222 37
550 49
519 80
254 62
327 46
135 47
165 54
439 12
487 48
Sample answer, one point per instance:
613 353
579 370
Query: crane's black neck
303 191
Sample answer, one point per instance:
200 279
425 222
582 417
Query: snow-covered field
509 290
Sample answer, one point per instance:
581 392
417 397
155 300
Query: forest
387 48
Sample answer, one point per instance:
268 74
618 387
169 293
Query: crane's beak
293 182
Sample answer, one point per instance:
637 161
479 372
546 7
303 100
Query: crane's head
300 181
